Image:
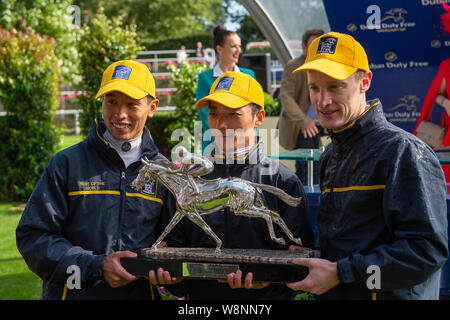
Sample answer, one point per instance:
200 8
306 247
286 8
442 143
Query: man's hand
322 275
114 273
162 277
311 130
234 280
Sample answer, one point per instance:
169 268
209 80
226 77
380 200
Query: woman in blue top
227 45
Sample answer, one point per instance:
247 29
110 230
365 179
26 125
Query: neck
226 66
240 149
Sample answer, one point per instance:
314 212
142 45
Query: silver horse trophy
196 196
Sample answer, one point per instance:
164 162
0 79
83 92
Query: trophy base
204 263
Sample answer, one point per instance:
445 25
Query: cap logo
224 83
121 72
327 45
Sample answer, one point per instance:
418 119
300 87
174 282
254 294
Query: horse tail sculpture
290 200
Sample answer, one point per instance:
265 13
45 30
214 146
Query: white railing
159 57
75 112
155 59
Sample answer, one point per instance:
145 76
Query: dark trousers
301 167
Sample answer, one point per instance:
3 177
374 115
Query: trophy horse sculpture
196 196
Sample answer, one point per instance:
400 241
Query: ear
153 106
260 115
366 80
219 49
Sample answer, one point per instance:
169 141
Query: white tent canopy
284 22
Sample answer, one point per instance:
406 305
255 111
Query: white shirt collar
217 72
129 156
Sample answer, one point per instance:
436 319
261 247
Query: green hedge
29 92
158 126
102 42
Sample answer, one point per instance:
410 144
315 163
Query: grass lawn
17 282
69 141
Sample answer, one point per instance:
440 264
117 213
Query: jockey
83 212
193 165
236 110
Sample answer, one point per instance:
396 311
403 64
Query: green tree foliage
29 76
248 30
158 20
102 42
189 41
185 115
271 106
49 17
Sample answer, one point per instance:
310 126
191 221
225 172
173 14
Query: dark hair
255 109
311 33
220 35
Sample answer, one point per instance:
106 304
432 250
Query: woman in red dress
439 92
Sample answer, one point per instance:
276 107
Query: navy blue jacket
245 232
383 204
83 209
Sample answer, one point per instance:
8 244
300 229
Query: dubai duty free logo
392 20
327 45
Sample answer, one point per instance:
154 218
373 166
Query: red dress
443 73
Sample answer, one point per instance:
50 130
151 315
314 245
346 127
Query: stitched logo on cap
224 83
121 72
327 45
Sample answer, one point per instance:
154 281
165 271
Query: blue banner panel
405 43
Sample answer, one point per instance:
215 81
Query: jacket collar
372 118
253 155
97 139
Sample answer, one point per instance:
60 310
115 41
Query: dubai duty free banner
405 43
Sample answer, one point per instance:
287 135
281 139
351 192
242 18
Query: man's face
233 129
337 102
124 116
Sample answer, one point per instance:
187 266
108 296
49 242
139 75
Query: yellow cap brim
123 87
224 98
331 68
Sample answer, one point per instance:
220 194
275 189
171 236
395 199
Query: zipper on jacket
227 211
122 206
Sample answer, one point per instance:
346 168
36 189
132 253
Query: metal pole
311 170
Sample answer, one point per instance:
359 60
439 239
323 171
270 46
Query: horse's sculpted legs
198 220
176 218
257 212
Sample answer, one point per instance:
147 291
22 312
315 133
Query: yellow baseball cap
234 90
335 54
129 77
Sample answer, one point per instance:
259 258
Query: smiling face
124 116
338 102
231 49
233 128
